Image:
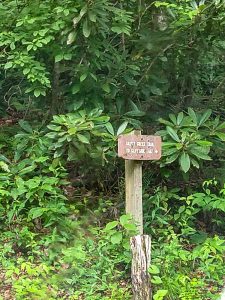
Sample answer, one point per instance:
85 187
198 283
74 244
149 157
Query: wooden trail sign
139 147
135 148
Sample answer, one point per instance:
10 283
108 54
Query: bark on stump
141 258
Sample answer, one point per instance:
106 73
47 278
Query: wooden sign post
135 148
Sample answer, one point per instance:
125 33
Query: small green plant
30 281
30 189
177 273
93 265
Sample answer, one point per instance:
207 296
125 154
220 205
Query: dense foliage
74 75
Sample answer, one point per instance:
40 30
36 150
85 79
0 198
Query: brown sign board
139 147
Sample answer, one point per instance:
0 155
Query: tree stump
141 258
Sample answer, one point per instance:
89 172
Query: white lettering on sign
135 151
141 144
150 144
130 143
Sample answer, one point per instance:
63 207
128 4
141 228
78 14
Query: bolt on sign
139 147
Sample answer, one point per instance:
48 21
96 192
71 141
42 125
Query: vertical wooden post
134 149
141 258
133 179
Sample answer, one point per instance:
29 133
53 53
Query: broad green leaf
37 93
59 58
155 90
110 128
41 159
8 65
83 77
204 143
33 183
205 117
106 88
221 126
173 118
12 46
168 123
94 77
133 105
83 10
180 118
173 134
52 135
153 269
172 158
76 20
221 136
66 12
28 169
78 104
135 113
125 219
59 152
130 80
67 56
3 158
169 144
156 280
200 154
101 119
116 238
195 163
193 116
122 127
86 29
160 294
26 71
72 155
111 225
19 23
83 138
36 212
92 16
185 162
75 89
169 151
130 227
26 126
29 47
54 127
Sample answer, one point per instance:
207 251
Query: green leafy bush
189 138
97 267
30 189
80 135
92 264
180 272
